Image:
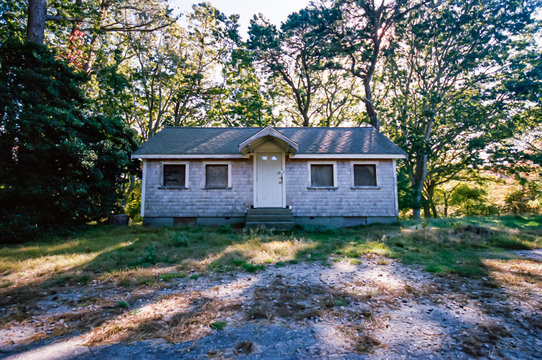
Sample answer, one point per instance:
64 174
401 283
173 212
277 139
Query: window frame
334 166
204 179
377 175
186 174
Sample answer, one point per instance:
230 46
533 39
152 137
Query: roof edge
297 156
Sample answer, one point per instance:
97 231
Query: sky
275 10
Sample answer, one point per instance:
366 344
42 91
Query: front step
270 218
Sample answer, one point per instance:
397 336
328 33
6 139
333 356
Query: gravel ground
377 309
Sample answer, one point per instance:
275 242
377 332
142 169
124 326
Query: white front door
269 180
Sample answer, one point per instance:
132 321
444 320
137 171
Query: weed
182 241
194 277
172 275
218 325
251 268
145 280
123 304
225 229
150 255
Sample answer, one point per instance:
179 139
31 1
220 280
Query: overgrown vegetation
136 255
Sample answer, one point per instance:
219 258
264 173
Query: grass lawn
137 255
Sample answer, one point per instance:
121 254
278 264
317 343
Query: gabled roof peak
268 133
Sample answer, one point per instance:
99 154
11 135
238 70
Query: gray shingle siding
342 201
198 202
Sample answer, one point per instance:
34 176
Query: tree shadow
185 314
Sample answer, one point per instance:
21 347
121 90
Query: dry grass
176 318
522 276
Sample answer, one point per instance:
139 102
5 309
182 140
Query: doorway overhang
272 135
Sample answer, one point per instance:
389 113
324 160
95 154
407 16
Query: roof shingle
225 141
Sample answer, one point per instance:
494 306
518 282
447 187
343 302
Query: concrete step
270 218
278 225
269 211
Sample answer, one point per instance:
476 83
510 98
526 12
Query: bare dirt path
371 308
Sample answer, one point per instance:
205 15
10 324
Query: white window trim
204 180
333 163
186 174
377 175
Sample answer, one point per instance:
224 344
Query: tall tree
360 37
293 55
449 103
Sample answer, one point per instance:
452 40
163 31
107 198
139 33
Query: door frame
255 177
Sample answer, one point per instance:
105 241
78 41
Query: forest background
456 83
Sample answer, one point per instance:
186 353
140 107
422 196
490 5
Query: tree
293 57
359 35
59 165
242 99
446 79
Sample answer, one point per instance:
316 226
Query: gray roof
311 140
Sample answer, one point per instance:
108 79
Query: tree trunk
306 120
417 184
426 208
37 15
434 209
430 202
369 106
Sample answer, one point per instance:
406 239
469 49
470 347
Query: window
322 175
216 176
174 175
364 175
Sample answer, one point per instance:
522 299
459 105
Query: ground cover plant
130 253
117 284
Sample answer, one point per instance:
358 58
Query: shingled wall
341 206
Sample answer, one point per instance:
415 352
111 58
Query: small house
272 177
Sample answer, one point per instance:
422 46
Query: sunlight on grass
126 254
257 251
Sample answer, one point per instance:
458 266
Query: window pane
364 175
321 175
216 176
174 175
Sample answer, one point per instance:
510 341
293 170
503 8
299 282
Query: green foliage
251 268
447 112
470 200
123 304
150 255
133 201
12 20
172 276
218 325
60 165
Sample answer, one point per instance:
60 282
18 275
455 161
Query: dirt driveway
374 307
